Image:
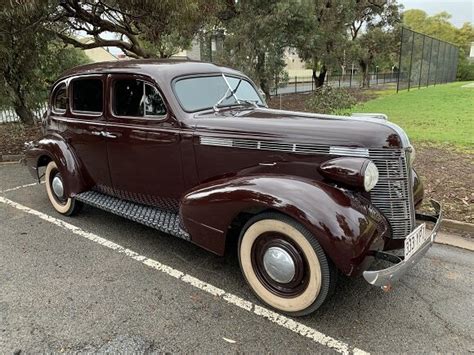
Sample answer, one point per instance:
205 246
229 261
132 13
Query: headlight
360 173
371 176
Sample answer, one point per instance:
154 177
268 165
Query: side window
128 98
59 101
135 98
87 95
154 105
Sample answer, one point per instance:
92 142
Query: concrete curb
455 241
458 226
11 157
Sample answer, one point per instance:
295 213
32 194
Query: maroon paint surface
161 162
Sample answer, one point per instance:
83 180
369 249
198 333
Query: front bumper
385 277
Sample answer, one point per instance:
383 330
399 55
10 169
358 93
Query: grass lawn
438 114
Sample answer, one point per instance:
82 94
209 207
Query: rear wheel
284 264
56 191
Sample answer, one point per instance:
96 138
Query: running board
164 221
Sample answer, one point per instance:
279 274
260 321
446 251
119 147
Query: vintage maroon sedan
191 149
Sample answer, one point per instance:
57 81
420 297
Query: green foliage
441 114
465 71
30 57
142 28
439 27
330 38
257 34
22 47
328 99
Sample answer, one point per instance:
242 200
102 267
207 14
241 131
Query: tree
439 27
22 45
324 41
378 40
29 60
373 47
321 40
140 28
257 33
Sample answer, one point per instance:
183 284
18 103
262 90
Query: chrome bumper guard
385 277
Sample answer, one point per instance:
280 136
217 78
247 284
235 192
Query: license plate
415 240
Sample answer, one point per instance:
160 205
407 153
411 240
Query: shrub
327 99
465 71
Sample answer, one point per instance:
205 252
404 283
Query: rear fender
57 149
341 223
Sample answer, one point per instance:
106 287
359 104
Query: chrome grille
393 194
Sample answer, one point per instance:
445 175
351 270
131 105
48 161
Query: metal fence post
437 64
400 60
340 75
411 59
350 79
429 63
296 83
444 64
421 63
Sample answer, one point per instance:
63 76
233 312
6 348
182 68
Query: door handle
103 134
108 135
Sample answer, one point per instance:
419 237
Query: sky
461 10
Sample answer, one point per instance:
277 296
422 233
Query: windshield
199 93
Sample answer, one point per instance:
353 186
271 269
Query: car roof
158 68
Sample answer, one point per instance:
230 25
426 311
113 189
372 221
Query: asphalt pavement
100 283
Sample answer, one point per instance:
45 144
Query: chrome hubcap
57 185
279 264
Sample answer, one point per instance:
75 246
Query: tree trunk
24 113
18 100
364 66
319 79
260 67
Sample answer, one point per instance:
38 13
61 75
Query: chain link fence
302 84
425 61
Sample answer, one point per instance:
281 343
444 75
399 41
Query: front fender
57 149
347 228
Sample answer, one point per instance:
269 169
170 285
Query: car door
82 125
143 143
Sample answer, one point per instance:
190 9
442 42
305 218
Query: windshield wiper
232 93
249 102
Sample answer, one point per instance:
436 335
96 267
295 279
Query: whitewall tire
56 191
284 264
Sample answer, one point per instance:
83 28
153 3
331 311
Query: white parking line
230 298
20 187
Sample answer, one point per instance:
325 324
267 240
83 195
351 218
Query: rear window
60 99
87 95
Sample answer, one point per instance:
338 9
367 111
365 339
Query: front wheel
56 193
284 264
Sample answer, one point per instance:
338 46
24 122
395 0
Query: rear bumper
385 277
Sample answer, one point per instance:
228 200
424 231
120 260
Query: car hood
300 127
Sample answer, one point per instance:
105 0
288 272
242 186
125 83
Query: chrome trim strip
392 195
354 152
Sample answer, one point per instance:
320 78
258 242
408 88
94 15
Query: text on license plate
415 240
